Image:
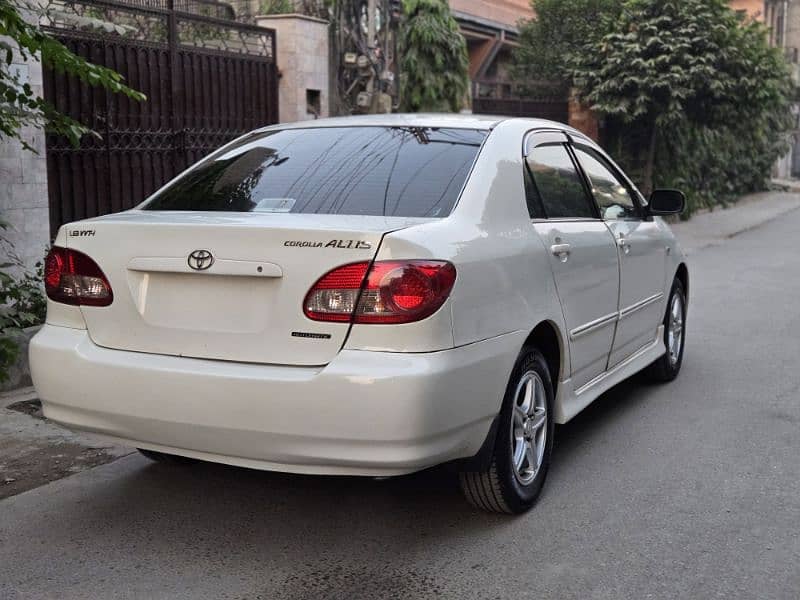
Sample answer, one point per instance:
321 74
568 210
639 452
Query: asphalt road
690 490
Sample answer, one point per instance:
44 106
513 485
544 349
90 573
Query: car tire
513 481
162 457
667 367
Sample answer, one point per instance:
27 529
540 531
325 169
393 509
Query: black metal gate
543 99
207 80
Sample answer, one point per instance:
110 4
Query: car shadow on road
430 496
307 536
607 412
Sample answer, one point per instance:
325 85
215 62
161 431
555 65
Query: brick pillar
582 118
302 57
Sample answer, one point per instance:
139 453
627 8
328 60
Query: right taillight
390 292
71 277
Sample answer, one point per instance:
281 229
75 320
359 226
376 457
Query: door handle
561 251
624 244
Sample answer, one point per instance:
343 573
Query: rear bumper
365 413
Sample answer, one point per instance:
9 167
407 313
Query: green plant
434 61
22 301
277 7
693 89
560 26
19 103
691 95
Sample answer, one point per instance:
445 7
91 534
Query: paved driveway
690 490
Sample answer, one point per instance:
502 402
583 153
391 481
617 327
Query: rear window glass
393 171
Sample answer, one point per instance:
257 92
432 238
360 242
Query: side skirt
571 401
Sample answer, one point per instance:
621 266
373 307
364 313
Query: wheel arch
547 338
682 275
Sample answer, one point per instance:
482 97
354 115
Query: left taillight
71 277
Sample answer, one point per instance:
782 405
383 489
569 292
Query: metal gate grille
543 100
207 80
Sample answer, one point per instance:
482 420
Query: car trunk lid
224 286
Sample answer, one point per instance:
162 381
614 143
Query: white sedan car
367 296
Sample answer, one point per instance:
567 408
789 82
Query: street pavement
687 490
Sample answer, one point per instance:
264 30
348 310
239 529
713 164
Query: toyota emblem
200 260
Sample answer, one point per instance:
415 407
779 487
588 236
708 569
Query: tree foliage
696 75
560 26
276 7
690 92
19 104
434 61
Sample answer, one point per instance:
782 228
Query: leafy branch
19 103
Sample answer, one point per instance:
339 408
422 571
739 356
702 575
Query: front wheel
668 366
524 442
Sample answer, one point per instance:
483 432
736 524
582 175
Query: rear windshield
400 171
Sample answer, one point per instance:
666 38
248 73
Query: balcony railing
540 99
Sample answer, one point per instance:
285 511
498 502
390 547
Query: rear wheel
668 366
165 458
524 442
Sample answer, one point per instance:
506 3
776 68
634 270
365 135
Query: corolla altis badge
341 244
200 260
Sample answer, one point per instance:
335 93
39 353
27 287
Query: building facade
782 17
491 30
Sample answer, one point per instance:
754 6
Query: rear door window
555 188
391 171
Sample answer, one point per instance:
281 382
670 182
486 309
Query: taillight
391 292
71 277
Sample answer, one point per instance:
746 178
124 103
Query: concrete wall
23 181
783 19
302 56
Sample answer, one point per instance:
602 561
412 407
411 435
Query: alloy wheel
675 329
529 427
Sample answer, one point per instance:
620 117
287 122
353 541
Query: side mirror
667 202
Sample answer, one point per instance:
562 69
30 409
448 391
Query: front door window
612 196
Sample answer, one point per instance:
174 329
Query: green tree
19 105
547 41
276 7
434 61
696 74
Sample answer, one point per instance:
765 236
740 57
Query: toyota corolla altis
367 296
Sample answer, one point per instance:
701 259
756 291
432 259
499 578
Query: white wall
23 181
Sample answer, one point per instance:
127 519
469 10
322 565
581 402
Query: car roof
453 120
